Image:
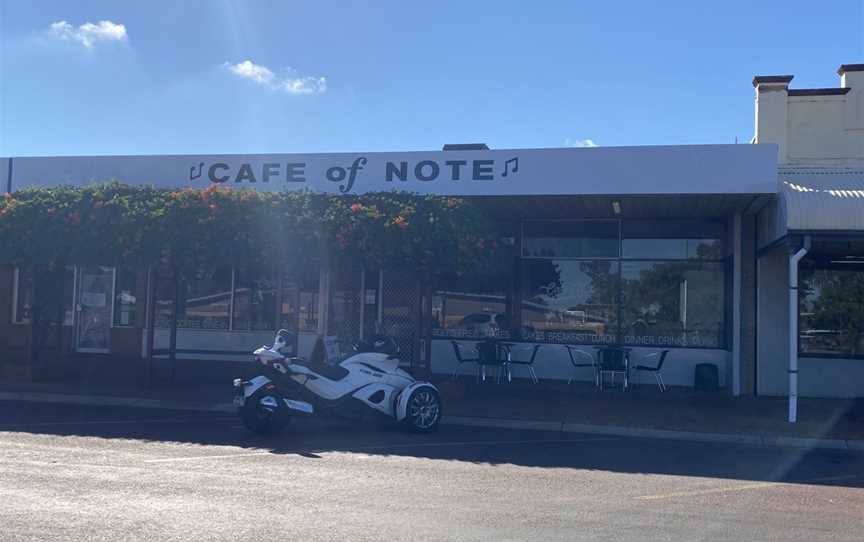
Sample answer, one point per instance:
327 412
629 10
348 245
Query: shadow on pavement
316 438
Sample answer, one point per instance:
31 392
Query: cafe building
685 249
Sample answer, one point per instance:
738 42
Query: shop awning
821 199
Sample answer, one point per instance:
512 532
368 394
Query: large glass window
670 303
205 300
254 301
25 296
831 320
343 320
248 301
660 282
671 239
299 307
470 308
570 239
570 301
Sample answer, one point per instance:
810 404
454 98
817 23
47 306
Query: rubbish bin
707 377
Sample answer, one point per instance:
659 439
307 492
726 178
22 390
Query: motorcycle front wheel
423 411
264 414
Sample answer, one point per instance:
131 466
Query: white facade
813 127
820 139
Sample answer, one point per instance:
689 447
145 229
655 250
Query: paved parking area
86 473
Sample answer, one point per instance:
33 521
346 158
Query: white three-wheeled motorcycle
369 382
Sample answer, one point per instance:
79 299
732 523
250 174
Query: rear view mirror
283 336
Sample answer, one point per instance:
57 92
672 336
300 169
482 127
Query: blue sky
171 77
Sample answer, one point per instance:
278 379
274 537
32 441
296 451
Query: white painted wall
772 327
553 363
821 130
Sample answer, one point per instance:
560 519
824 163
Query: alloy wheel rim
424 409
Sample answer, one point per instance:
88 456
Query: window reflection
25 297
671 240
299 307
254 300
125 299
204 300
345 306
571 239
672 304
472 307
832 309
570 301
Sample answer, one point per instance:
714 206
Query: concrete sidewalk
460 418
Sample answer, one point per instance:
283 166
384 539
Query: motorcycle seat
330 372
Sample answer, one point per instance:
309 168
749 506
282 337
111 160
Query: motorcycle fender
299 406
402 400
251 386
384 405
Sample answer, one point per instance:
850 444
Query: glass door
95 295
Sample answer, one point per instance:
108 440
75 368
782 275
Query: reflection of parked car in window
483 323
574 314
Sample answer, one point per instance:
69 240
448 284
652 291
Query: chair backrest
612 359
487 351
663 355
534 352
457 349
584 360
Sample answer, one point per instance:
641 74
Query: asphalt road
81 473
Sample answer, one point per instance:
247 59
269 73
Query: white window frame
15 279
76 312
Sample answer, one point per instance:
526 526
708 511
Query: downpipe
793 328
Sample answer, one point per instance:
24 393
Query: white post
362 301
323 299
737 265
793 329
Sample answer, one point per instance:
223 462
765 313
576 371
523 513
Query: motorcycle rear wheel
263 419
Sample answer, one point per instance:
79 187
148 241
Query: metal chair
656 370
460 359
509 347
489 354
613 361
572 351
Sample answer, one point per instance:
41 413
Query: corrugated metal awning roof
822 199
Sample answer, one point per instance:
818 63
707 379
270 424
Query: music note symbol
515 169
193 174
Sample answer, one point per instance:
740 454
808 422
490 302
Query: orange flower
357 207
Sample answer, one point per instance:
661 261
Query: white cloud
287 83
581 143
304 85
249 70
88 34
